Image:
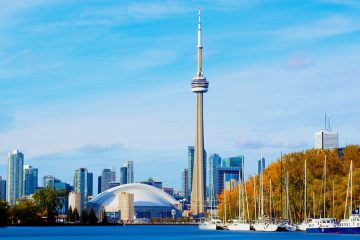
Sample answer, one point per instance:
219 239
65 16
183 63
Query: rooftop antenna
329 122
325 122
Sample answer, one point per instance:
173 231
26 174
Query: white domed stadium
149 202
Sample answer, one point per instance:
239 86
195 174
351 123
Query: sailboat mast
333 199
262 187
305 183
351 184
325 187
281 185
270 199
254 197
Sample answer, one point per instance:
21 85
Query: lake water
152 232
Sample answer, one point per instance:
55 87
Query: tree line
292 164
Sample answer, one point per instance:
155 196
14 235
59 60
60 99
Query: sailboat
350 225
322 225
303 225
264 224
240 224
286 225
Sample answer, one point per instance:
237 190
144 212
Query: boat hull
265 227
209 226
349 230
321 230
239 227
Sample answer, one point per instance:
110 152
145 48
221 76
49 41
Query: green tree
4 212
70 215
25 212
76 215
92 217
84 218
48 200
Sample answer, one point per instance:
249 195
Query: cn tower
199 85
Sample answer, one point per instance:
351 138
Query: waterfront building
15 172
106 177
30 180
214 163
80 185
199 86
49 181
126 206
75 201
149 202
2 189
130 171
123 175
99 184
261 165
185 184
90 184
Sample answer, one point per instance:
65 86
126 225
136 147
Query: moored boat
322 225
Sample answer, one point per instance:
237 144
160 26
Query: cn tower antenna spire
199 29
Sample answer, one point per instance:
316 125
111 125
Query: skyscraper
326 139
49 181
199 86
99 184
185 184
15 176
123 175
90 184
81 184
233 161
106 177
214 163
130 171
261 165
2 189
30 180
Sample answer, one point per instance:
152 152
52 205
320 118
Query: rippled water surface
152 232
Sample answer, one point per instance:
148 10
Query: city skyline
269 84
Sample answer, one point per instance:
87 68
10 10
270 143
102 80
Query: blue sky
95 83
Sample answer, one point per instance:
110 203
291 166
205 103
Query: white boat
209 224
239 226
322 225
265 226
302 226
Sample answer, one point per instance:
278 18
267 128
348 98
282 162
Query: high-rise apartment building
15 173
30 180
214 163
123 175
90 184
81 184
2 189
99 184
106 177
49 181
261 165
185 184
231 170
233 161
130 171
